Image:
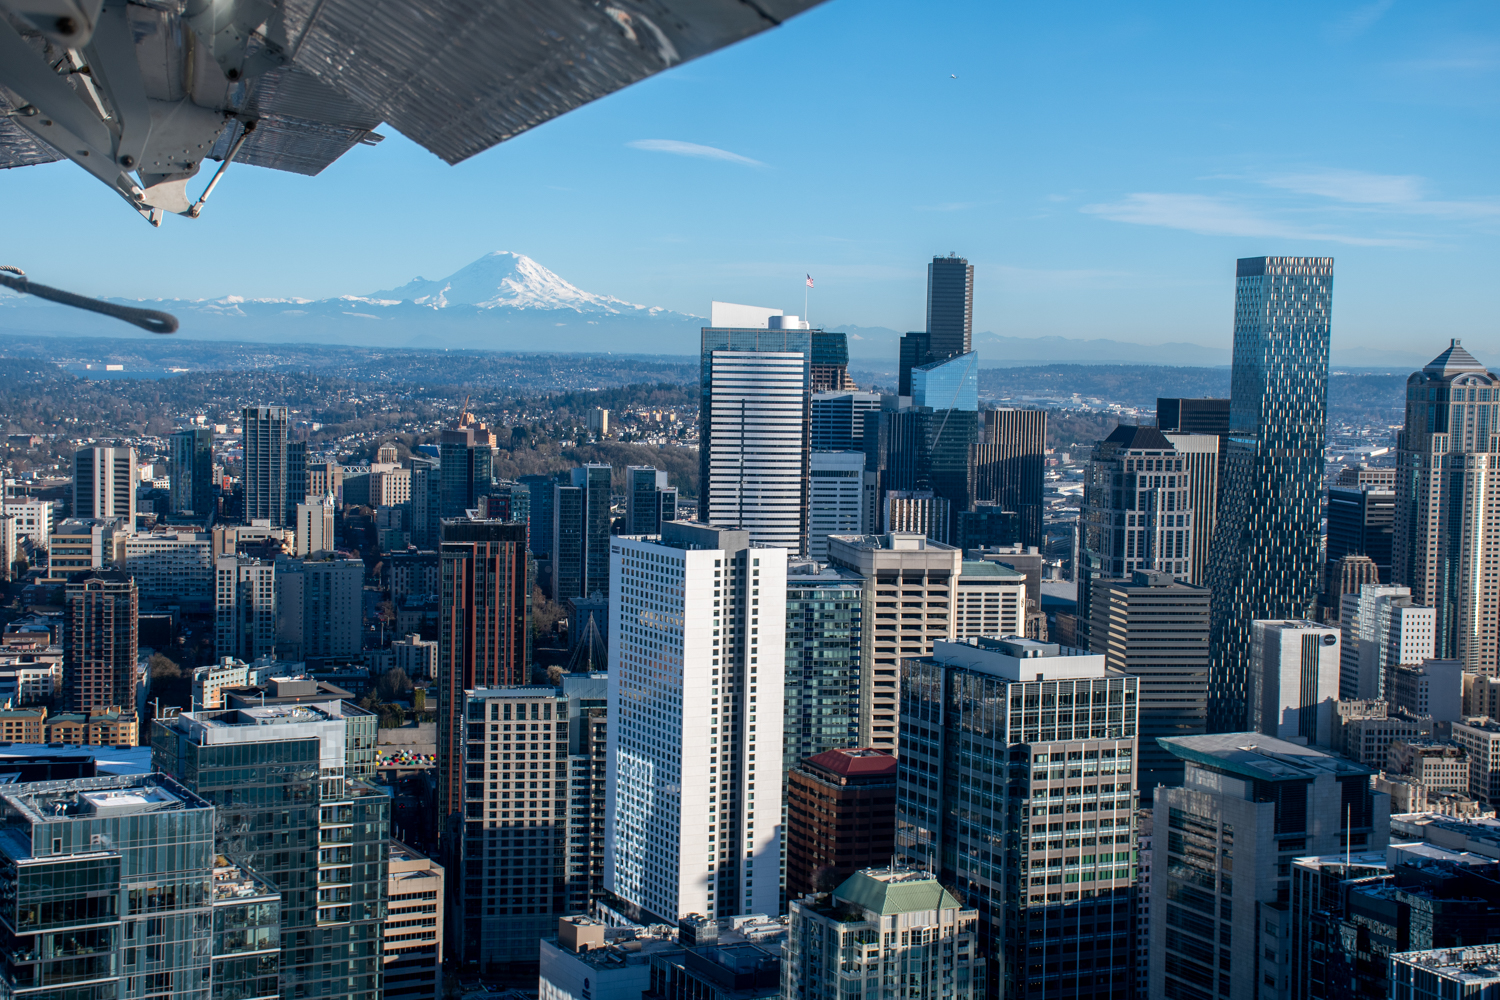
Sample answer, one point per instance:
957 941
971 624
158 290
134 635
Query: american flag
809 281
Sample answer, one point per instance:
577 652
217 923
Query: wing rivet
127 161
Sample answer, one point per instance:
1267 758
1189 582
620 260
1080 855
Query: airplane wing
140 92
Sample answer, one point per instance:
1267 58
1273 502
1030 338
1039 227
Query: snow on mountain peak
503 279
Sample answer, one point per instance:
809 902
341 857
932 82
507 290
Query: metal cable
146 319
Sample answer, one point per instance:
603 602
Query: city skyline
1064 249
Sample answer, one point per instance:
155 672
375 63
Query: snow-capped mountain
505 280
502 301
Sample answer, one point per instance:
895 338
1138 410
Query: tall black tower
950 307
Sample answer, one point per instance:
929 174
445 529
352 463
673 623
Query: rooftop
895 890
100 797
1016 658
896 541
984 567
1454 359
1258 757
856 761
1126 436
1476 965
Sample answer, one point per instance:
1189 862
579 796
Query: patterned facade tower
1447 492
1263 562
485 639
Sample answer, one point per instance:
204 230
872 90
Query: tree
393 685
545 614
163 669
21 566
386 614
419 700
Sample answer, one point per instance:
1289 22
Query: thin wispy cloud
1361 19
1211 216
1397 193
693 149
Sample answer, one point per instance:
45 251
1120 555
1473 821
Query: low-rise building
1432 688
1364 731
99 727
23 725
413 952
1438 766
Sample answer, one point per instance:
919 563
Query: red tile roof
857 761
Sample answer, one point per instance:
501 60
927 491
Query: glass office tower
192 490
106 883
1263 561
753 433
950 306
288 806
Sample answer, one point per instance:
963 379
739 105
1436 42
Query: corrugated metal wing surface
459 76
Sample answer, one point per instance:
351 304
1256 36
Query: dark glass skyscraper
950 306
1263 562
193 472
466 455
296 478
265 463
1008 466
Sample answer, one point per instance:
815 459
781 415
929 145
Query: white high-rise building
1381 627
837 498
33 521
753 433
1294 680
315 526
697 645
104 484
244 607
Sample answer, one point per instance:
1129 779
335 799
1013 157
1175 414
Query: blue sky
1101 164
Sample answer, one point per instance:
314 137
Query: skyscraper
580 534
265 476
691 829
1380 628
1154 628
648 500
319 608
244 607
485 638
99 642
104 484
76 850
838 419
753 433
1009 463
192 491
837 498
291 805
1447 495
950 306
1263 561
1148 504
1220 894
1294 681
466 465
1360 523
519 835
824 642
1057 822
830 363
916 575
296 478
